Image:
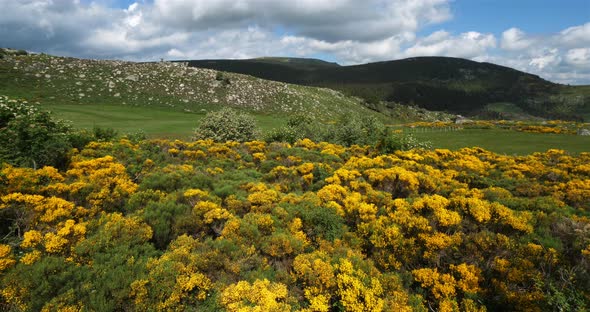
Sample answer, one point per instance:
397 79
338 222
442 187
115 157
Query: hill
70 85
435 83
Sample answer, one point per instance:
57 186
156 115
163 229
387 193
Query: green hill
94 91
435 83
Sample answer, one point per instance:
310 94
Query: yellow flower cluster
262 295
314 227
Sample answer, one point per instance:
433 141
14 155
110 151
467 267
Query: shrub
300 127
227 125
104 134
350 130
359 130
31 138
393 141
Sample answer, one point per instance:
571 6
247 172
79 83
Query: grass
154 121
165 100
54 80
504 141
162 122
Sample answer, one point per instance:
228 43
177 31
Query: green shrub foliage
32 138
227 125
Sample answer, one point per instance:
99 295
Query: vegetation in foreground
173 225
254 226
143 225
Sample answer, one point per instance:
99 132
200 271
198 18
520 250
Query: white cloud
578 57
576 36
441 43
515 39
547 58
327 20
348 31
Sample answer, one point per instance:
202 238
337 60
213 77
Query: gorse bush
227 125
256 226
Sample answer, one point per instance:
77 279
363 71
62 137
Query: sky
549 38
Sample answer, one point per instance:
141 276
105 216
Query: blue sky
540 16
547 38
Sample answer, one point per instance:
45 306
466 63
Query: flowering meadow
164 225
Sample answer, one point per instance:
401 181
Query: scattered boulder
132 78
584 132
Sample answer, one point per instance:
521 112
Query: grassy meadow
165 123
155 122
503 141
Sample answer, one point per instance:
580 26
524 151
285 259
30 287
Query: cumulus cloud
561 57
549 57
441 43
515 39
325 20
578 57
50 25
347 31
576 36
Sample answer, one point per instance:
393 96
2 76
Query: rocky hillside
49 79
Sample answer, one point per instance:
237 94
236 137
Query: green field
504 141
153 121
166 123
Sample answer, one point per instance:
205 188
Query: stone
584 132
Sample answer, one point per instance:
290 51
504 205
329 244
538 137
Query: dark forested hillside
436 83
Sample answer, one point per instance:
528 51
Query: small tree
227 125
31 138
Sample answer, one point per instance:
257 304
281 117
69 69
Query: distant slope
175 86
436 83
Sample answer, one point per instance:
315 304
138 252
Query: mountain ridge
436 83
